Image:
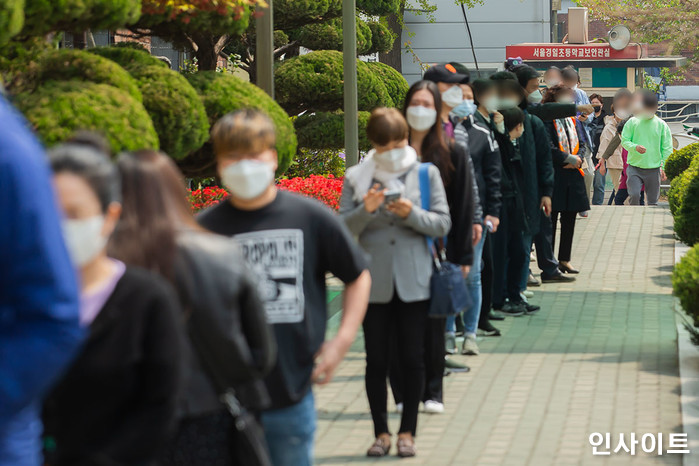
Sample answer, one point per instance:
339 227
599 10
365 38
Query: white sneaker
434 407
399 408
527 294
470 346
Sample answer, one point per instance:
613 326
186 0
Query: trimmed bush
315 82
379 7
685 283
395 83
174 106
317 162
686 204
69 64
325 130
223 93
43 16
59 108
11 19
382 38
128 57
680 160
328 36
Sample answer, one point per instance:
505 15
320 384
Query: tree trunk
393 57
207 56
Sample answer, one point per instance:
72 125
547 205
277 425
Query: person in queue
613 162
116 403
289 242
538 176
553 76
485 155
596 127
381 205
39 303
568 139
157 231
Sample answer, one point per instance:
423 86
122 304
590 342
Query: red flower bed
327 189
200 199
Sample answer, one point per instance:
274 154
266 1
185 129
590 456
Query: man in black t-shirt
290 242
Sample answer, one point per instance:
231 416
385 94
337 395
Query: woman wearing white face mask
612 161
422 103
381 204
116 403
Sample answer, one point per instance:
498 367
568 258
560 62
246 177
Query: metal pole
264 50
349 61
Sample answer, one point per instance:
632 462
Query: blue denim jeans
473 284
598 185
290 433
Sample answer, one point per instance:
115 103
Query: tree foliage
653 21
11 19
128 57
328 36
685 283
59 108
680 160
315 82
395 83
44 16
684 204
326 130
223 93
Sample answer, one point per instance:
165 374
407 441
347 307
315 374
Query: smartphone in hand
391 196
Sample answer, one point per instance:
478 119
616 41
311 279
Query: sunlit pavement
601 356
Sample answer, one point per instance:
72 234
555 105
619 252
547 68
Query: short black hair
511 86
503 75
90 139
525 73
649 99
481 86
513 117
90 164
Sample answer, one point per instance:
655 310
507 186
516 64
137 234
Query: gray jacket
397 246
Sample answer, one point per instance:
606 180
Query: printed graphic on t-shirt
276 257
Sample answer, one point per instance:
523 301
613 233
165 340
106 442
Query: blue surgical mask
464 109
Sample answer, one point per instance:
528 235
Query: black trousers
434 364
406 322
508 255
486 282
567 232
621 196
543 241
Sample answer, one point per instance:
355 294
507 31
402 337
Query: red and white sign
563 52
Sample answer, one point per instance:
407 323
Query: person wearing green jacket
648 140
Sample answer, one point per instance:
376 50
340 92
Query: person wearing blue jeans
291 432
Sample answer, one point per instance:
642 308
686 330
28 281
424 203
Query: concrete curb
688 356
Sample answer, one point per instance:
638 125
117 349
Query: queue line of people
189 348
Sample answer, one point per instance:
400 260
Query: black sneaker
531 308
513 309
557 278
488 330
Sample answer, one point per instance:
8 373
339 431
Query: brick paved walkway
600 356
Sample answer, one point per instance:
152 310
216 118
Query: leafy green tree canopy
44 16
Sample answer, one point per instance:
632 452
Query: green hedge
328 36
69 64
223 93
382 38
379 7
174 106
680 160
59 108
684 195
395 83
43 16
325 130
309 162
685 283
11 19
315 82
128 57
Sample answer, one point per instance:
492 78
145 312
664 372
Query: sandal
406 448
381 447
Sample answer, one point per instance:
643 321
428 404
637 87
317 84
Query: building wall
494 25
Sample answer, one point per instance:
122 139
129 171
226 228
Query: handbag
448 293
247 442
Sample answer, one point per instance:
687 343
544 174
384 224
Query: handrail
675 115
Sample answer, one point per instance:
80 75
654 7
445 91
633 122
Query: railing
678 115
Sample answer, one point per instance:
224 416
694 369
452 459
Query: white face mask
84 238
646 115
575 88
453 96
508 102
396 159
535 97
622 114
566 100
421 118
247 179
491 104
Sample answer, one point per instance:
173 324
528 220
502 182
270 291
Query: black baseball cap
445 73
